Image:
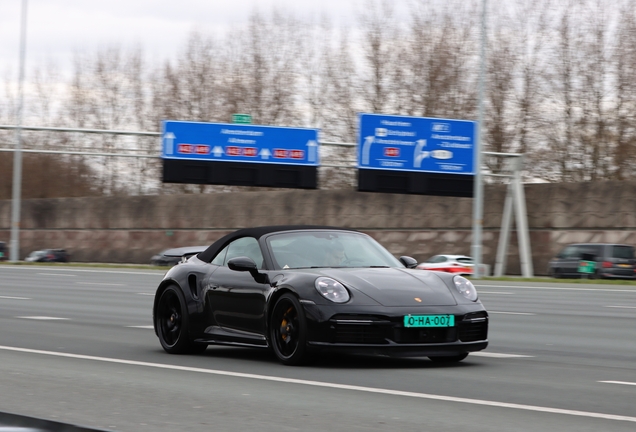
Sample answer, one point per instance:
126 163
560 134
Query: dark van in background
612 260
4 253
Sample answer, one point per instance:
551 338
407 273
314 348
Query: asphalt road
76 346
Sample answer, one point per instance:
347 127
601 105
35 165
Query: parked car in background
48 255
456 264
4 252
170 257
610 260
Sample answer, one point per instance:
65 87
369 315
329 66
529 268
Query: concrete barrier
130 229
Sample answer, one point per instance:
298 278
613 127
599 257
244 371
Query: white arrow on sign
366 149
312 147
217 151
169 140
265 153
418 155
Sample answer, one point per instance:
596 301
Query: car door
568 261
622 257
235 299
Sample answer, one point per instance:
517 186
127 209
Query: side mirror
408 261
244 263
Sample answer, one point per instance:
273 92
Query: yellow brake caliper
284 327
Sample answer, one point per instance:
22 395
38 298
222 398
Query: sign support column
478 203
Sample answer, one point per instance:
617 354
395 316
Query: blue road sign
416 144
239 143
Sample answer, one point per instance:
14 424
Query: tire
555 273
288 331
172 323
448 359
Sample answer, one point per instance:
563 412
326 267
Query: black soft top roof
256 232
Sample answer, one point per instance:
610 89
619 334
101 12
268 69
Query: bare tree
379 41
561 112
624 130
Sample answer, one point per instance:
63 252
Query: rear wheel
449 359
172 323
288 331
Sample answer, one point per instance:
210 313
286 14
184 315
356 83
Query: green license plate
429 320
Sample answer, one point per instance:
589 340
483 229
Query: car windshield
316 249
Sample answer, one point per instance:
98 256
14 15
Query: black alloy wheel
448 359
288 331
172 323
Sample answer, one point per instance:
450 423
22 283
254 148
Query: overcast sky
57 28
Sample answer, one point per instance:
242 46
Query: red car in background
456 264
49 255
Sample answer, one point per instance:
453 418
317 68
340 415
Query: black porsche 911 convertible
302 289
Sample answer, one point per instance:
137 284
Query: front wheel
172 323
449 359
555 273
288 331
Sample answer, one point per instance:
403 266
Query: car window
246 246
589 250
625 252
465 260
219 259
570 252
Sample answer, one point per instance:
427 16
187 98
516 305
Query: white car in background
456 264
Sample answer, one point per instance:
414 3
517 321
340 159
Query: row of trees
561 88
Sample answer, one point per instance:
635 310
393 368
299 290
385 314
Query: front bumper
386 334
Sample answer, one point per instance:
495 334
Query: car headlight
332 290
465 288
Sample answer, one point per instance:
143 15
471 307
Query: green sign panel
587 267
241 118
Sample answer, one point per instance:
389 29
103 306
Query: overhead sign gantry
420 155
239 154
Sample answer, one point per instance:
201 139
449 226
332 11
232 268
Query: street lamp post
14 254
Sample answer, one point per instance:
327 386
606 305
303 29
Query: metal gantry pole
14 253
522 223
478 199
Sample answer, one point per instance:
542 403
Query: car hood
395 286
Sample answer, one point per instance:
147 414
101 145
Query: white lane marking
57 274
495 292
42 318
66 269
622 307
142 327
619 382
632 291
334 386
99 283
15 298
498 355
510 313
146 294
